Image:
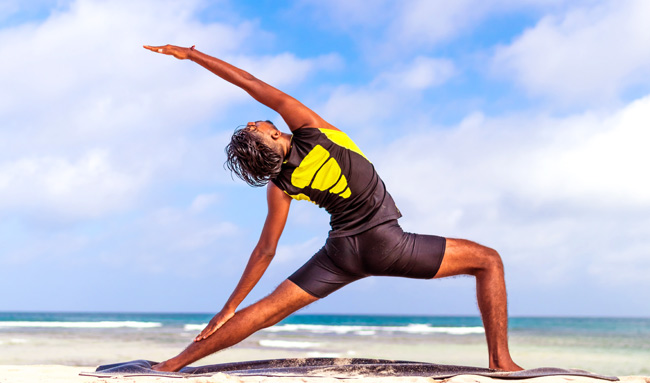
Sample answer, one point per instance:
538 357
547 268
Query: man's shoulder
315 136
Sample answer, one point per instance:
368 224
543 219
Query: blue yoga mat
332 367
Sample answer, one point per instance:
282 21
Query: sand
69 374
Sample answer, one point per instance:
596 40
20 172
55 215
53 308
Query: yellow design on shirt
327 175
340 138
308 167
322 172
340 186
300 197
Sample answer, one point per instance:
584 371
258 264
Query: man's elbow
264 253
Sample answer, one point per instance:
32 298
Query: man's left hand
215 323
171 50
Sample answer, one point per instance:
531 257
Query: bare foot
162 367
510 366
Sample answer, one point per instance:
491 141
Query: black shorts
383 250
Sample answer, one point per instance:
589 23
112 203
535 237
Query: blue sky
522 125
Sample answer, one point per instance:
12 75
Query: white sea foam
194 327
372 330
365 332
361 330
102 324
287 344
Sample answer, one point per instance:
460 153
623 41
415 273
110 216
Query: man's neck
285 144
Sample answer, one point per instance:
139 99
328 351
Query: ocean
615 346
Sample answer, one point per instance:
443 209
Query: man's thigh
463 257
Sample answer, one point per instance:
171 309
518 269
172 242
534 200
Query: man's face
263 127
266 130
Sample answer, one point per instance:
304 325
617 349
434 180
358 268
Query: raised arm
278 205
294 113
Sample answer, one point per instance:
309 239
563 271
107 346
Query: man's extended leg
466 257
286 299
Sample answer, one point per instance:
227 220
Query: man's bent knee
467 257
491 260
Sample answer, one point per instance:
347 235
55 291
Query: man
319 163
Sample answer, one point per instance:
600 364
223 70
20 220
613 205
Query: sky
521 125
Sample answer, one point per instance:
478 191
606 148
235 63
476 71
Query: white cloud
589 54
593 158
414 25
555 193
404 26
350 107
171 241
81 66
286 68
303 250
598 160
203 201
88 186
428 22
95 128
50 246
162 239
421 74
392 92
630 264
90 116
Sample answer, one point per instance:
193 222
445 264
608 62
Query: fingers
171 50
201 336
160 49
164 49
209 330
214 325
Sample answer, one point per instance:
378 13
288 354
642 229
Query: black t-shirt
326 167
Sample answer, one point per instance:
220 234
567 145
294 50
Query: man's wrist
231 307
191 52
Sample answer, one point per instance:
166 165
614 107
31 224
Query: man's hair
251 159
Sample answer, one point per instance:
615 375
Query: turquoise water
617 346
637 328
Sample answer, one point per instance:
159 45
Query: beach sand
60 354
36 359
68 374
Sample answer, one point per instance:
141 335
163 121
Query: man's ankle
167 366
504 364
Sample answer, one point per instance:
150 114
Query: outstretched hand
171 50
215 323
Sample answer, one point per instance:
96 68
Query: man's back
326 167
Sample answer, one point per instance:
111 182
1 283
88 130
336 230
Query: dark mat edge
318 366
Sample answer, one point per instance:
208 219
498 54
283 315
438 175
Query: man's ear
275 134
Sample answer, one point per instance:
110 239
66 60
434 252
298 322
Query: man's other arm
278 205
